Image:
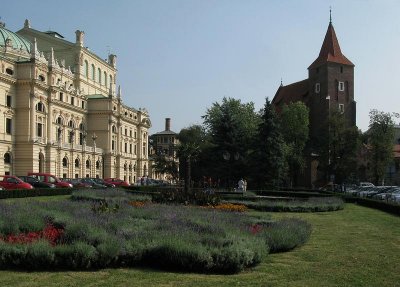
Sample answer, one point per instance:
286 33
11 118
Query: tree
193 144
295 131
268 157
166 165
380 141
338 148
231 126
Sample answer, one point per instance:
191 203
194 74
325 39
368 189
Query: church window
341 86
317 88
341 108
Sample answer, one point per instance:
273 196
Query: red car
13 182
116 181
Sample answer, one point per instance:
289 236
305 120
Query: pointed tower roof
330 50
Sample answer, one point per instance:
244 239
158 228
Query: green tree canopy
380 140
295 131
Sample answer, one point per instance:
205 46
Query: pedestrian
241 185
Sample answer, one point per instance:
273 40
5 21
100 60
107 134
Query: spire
330 50
330 15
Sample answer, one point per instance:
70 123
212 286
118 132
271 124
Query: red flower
255 228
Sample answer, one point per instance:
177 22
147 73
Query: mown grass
356 246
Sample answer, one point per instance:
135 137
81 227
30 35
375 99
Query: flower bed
97 235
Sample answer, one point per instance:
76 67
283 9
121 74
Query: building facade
329 87
62 112
164 144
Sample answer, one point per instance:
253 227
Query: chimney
167 124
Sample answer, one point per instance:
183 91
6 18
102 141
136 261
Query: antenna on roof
330 14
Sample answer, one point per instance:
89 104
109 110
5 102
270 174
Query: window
8 125
8 101
105 79
83 104
341 108
113 145
10 71
7 158
317 88
59 121
126 132
126 147
130 148
114 129
77 163
341 86
97 164
87 163
40 107
39 130
99 75
65 162
110 80
71 124
72 100
61 97
86 69
59 134
93 73
135 149
130 133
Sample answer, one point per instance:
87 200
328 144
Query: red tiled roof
291 93
330 50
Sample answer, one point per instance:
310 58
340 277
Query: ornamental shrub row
313 204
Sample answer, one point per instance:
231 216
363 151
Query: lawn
356 246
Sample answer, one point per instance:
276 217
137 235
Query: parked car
35 182
92 183
49 178
116 181
13 182
103 182
77 182
366 184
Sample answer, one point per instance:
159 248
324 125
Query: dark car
116 181
103 182
36 183
92 183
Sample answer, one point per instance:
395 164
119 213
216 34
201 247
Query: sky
177 57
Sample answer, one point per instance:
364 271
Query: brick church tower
329 87
331 84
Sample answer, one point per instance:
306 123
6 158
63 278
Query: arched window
114 129
86 68
98 165
77 162
87 163
99 75
110 80
105 78
7 158
71 124
65 162
40 107
125 166
59 121
93 73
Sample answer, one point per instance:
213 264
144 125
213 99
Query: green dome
17 41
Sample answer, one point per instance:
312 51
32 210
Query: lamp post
228 156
